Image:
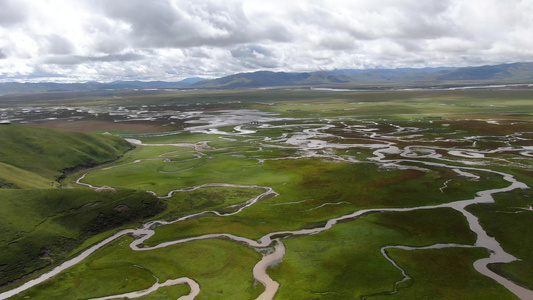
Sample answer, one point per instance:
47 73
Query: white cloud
172 39
11 13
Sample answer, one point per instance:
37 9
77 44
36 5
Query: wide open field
376 194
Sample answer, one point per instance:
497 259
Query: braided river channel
313 141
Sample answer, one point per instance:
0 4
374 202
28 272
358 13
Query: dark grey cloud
255 56
197 53
422 20
38 73
149 20
110 43
78 59
12 12
338 41
55 44
163 23
172 39
118 57
372 20
251 51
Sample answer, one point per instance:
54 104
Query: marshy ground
374 194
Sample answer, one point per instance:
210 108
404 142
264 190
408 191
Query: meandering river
273 242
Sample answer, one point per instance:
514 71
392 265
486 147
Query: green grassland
303 102
115 269
44 223
208 198
168 293
397 104
352 271
445 274
47 152
41 227
13 177
146 175
346 187
183 137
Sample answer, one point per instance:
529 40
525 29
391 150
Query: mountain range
503 73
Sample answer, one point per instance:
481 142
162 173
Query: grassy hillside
508 73
41 224
40 228
46 152
15 178
267 78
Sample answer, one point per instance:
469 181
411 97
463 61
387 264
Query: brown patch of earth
96 125
122 208
105 188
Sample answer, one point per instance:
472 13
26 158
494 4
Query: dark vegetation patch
47 151
341 263
6 185
367 186
42 227
212 198
444 274
102 126
345 262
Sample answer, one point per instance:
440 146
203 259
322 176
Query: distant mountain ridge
43 87
267 78
516 71
504 73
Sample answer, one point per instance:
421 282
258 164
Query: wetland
297 194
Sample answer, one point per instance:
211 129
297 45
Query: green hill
42 225
267 78
46 152
12 177
503 73
41 228
517 72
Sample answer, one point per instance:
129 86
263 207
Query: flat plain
278 194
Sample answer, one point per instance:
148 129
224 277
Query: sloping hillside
46 87
46 152
42 225
42 228
507 72
266 78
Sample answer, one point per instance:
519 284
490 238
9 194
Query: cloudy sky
106 40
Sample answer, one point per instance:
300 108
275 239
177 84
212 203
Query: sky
108 40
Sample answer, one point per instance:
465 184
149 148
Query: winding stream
406 277
272 245
195 290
